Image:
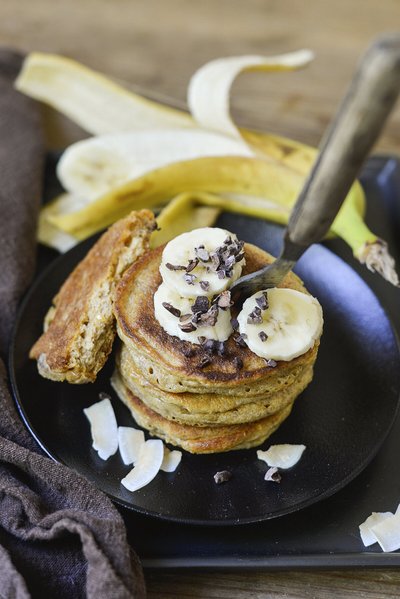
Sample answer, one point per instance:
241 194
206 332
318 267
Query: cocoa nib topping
273 475
192 265
189 279
226 256
222 477
235 324
271 363
205 361
185 323
209 318
188 327
263 335
175 266
212 346
201 304
188 352
171 309
255 316
223 300
238 363
240 340
202 253
262 301
205 285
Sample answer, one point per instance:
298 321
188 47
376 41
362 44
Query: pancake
207 409
79 328
196 439
174 365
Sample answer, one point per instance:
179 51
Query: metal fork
358 122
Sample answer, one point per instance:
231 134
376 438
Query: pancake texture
232 400
80 326
203 409
206 439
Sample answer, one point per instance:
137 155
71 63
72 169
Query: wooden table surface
158 45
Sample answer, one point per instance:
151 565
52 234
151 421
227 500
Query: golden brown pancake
203 409
199 439
175 365
80 326
208 409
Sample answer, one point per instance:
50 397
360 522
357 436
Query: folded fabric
59 536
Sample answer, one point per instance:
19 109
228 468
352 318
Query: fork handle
346 143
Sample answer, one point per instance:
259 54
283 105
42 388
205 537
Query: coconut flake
367 535
171 460
147 465
103 428
130 441
281 456
387 533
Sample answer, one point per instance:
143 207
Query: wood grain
158 44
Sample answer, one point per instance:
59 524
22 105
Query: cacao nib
240 340
255 316
220 348
201 304
188 352
205 285
189 279
171 309
235 324
270 363
202 253
262 301
238 362
205 361
175 266
210 317
192 264
224 300
188 327
222 477
263 335
209 345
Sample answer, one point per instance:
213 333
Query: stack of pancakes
203 402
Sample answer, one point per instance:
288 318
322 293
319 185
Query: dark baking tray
326 534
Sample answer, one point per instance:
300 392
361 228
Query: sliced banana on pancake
205 261
175 315
280 324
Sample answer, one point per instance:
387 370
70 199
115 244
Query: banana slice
205 261
170 309
282 328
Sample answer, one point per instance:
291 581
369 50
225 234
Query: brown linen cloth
59 536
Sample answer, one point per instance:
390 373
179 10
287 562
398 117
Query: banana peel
233 174
183 213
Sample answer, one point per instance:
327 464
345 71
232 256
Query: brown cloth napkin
59 536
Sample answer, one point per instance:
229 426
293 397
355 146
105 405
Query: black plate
342 418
